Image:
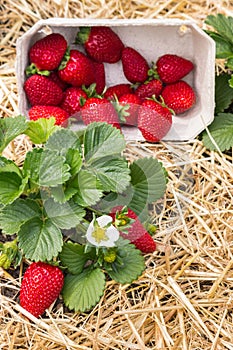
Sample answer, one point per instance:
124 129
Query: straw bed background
183 300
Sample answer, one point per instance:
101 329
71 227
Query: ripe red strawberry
172 68
114 92
149 88
101 43
78 69
41 286
131 228
154 120
97 109
145 243
135 66
129 112
71 102
179 96
40 90
56 79
47 53
100 78
37 112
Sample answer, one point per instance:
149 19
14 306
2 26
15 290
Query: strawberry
145 243
116 91
135 66
154 120
40 90
37 112
77 69
71 102
41 286
179 96
100 79
97 109
131 228
172 68
47 53
149 88
129 112
101 43
56 79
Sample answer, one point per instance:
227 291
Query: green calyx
82 35
32 69
65 59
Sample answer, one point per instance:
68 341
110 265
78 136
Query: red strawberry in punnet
179 96
72 98
149 88
54 76
37 112
101 43
135 66
77 69
114 92
100 78
131 228
97 109
129 112
41 286
154 120
40 90
47 53
172 68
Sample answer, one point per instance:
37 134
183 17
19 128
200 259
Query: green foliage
65 180
218 136
221 133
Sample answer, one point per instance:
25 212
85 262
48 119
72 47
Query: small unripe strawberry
41 285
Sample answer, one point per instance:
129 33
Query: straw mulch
184 298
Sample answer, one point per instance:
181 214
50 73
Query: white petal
104 220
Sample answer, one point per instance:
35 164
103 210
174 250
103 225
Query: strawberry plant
219 135
58 206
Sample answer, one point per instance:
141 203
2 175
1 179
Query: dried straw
183 300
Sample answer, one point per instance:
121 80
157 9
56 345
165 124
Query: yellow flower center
99 234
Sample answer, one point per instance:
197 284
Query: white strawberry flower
101 232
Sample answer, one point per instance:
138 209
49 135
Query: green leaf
102 140
10 128
113 173
40 130
82 292
223 47
148 182
128 265
74 159
88 188
7 165
11 187
17 213
73 257
223 93
62 140
65 215
222 24
62 194
40 240
221 130
46 167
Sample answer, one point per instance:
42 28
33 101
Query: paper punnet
152 38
